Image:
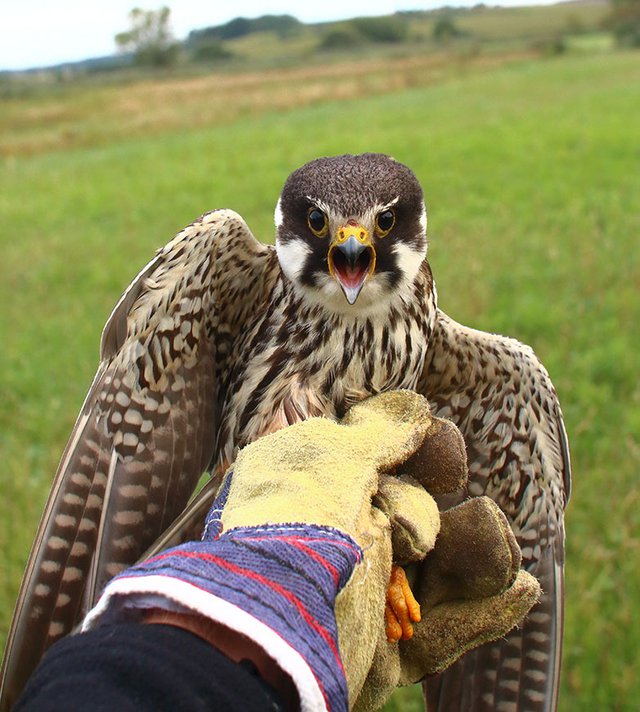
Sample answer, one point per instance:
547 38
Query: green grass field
532 177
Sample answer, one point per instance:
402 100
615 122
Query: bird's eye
384 222
317 221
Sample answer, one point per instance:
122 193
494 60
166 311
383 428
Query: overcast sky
35 33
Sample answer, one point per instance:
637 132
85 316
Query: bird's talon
392 625
402 609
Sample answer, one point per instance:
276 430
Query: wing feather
503 401
147 430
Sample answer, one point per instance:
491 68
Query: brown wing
147 430
501 398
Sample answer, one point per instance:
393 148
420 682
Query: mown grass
531 173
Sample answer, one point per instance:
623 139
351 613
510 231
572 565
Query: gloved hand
470 586
293 529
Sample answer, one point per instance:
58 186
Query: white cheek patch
409 260
292 256
277 215
423 218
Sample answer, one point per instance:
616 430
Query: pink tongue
351 277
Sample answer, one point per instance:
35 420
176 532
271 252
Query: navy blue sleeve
143 668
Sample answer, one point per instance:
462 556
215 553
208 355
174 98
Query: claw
402 609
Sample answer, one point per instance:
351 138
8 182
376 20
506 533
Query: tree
445 29
624 22
150 38
341 38
382 29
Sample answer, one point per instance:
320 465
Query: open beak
351 258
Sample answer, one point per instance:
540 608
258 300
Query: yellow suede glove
470 586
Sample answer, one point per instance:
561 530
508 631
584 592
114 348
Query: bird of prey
221 339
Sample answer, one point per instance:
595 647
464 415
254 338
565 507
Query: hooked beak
351 258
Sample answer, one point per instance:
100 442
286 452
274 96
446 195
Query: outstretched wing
503 401
147 430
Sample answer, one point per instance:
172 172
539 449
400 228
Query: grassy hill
530 169
479 28
282 41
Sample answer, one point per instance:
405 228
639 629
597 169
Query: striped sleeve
275 584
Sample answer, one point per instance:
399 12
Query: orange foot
402 609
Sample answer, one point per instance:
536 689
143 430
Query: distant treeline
208 43
283 25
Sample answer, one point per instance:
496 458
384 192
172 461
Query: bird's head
351 230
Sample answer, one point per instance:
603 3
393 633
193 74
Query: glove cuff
275 584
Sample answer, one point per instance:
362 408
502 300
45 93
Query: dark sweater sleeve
146 668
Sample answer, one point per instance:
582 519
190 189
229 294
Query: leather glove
470 586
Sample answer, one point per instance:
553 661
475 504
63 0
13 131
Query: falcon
221 339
